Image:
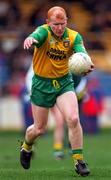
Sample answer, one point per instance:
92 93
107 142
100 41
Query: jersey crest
66 43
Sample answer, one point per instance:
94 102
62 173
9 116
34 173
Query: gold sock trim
77 157
27 147
58 146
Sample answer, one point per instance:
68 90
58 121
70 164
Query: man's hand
28 42
90 70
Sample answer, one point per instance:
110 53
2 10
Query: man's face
57 25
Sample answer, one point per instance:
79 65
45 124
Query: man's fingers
34 40
28 42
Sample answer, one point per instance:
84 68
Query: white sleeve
81 86
29 76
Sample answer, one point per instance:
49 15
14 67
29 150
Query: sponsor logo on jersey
56 54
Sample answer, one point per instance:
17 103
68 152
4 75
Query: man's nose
60 27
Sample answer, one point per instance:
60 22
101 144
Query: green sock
77 154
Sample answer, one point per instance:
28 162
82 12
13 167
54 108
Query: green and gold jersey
51 54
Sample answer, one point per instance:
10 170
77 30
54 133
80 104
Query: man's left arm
79 45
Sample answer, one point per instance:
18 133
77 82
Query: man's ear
47 21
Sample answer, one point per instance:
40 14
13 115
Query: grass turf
45 167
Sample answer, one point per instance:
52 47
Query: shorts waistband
50 79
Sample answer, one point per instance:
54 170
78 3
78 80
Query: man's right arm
36 38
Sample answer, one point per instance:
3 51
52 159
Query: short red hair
56 11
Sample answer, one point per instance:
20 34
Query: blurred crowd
19 17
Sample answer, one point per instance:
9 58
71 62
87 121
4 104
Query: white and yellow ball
80 63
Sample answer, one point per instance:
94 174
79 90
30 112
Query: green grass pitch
97 151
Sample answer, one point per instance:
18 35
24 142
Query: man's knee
73 121
40 131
